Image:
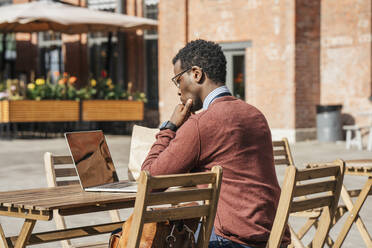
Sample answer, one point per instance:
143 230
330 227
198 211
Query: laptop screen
91 157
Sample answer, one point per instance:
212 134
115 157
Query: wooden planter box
38 111
112 110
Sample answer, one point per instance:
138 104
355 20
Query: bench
354 136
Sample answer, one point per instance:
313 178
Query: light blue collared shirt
214 95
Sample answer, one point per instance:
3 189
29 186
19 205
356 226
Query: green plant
42 89
2 86
103 88
3 93
65 89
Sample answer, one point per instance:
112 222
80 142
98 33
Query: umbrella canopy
44 16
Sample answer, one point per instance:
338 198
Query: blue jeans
219 242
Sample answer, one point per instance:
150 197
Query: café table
356 168
38 204
362 168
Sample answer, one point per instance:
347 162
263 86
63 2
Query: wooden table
356 168
39 204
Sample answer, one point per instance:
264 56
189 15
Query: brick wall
171 31
303 53
307 62
346 56
269 61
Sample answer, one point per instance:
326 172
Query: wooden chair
300 193
60 171
146 198
283 157
282 152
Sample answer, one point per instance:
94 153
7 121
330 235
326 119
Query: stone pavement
21 167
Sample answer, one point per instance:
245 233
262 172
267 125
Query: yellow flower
142 95
31 86
109 82
93 82
111 86
40 81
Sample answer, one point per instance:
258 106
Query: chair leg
61 224
354 215
305 228
296 242
25 233
3 242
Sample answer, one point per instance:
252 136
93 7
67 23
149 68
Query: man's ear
198 74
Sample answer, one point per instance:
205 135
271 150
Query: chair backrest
321 187
60 171
148 195
282 152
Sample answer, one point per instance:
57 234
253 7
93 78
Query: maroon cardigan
236 136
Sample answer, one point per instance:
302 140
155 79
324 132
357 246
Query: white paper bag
142 140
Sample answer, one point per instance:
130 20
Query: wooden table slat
60 198
39 204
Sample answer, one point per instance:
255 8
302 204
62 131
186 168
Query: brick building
283 56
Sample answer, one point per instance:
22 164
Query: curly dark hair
205 54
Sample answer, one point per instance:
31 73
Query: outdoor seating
283 156
362 167
147 197
282 152
59 174
354 136
369 145
300 193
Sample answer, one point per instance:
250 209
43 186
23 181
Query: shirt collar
216 93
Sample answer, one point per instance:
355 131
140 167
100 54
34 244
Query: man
228 132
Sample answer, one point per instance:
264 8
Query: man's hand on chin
181 113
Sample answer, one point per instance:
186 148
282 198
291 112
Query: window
50 54
8 55
235 67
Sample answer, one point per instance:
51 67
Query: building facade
283 56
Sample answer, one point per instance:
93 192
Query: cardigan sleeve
174 152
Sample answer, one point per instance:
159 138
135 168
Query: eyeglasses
177 77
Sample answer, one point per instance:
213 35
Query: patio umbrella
44 16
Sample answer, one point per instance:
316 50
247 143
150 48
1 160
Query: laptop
93 163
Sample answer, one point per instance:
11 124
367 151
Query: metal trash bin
328 123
